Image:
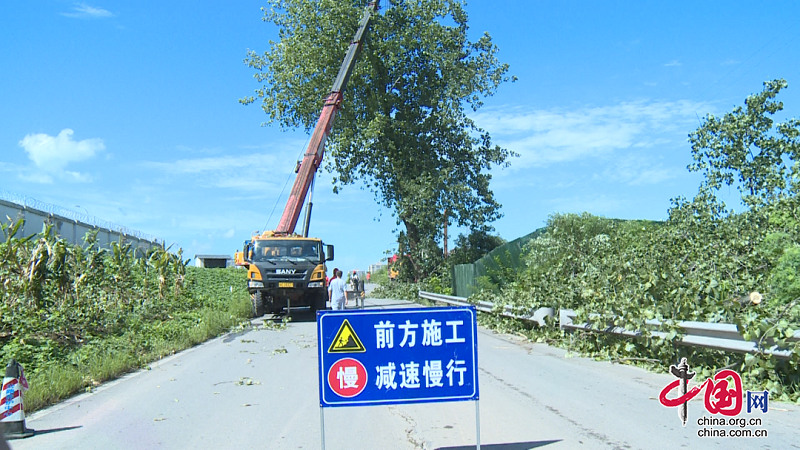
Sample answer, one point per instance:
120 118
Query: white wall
70 230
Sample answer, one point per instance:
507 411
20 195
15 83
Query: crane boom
316 147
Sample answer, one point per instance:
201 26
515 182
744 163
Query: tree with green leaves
403 129
473 246
745 147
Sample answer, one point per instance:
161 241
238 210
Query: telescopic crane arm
316 146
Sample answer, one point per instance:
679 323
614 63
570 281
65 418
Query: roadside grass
213 311
51 384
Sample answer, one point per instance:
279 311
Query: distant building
376 267
213 261
69 225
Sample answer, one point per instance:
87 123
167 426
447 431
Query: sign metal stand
322 424
477 425
438 365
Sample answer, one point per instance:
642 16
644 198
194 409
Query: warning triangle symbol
346 340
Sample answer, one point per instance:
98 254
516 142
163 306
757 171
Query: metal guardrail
716 336
538 316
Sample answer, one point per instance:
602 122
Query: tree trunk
412 236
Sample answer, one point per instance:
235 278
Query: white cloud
547 137
84 11
673 63
256 173
637 170
51 154
259 175
230 233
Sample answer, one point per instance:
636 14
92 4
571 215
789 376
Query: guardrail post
540 314
565 318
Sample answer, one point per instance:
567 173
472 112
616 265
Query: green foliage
440 282
496 268
380 277
746 148
705 263
419 256
696 266
784 284
470 248
701 264
75 316
403 128
500 272
397 290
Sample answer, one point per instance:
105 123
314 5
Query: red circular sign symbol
347 377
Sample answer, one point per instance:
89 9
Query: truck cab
286 272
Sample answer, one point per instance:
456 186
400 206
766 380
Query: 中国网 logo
723 396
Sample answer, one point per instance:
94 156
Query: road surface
257 389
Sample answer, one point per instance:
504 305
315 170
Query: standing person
336 290
358 287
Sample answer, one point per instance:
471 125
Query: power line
740 66
286 183
758 64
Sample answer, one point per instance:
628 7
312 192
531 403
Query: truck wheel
258 304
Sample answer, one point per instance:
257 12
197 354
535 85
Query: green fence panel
463 279
508 255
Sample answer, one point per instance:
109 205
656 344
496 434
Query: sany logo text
285 271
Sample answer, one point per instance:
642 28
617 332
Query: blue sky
129 111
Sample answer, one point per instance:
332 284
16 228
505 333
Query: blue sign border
383 314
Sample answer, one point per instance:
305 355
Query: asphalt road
257 389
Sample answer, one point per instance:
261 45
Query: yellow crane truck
284 268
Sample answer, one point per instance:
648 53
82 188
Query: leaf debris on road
247 381
301 344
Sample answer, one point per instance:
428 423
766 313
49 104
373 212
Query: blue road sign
393 356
